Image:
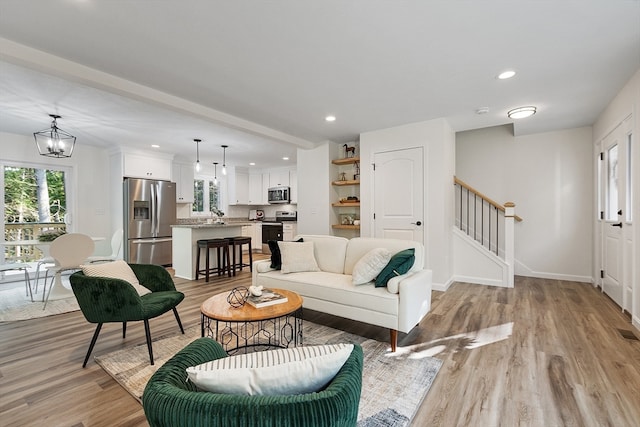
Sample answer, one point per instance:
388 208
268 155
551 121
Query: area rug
15 305
393 385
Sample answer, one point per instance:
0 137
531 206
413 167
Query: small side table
247 327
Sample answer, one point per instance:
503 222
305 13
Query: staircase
484 238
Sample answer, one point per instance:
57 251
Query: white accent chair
69 251
116 246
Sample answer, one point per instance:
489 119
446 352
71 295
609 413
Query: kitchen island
185 246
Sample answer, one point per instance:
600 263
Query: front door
614 216
399 194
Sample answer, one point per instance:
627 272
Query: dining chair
69 251
17 266
116 245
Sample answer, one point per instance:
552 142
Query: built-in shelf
347 182
345 227
346 205
346 161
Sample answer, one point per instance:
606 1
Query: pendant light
54 142
215 173
224 159
197 141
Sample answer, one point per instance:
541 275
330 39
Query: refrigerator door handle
150 241
154 206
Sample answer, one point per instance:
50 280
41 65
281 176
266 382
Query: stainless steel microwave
279 195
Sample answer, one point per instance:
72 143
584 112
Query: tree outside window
206 203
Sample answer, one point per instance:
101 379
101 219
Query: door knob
617 225
417 223
619 211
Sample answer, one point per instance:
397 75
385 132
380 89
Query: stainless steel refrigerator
149 212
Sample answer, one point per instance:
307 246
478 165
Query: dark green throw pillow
276 258
399 264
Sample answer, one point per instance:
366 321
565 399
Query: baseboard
635 321
442 287
479 281
523 270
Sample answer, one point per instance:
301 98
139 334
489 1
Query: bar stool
235 244
222 256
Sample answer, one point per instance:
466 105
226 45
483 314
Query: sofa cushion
276 257
329 251
289 371
359 246
399 264
117 269
370 265
297 257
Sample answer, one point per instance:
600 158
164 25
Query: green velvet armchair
170 400
105 300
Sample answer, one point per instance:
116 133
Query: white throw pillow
297 256
370 265
287 371
117 269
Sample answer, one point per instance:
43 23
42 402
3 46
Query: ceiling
261 76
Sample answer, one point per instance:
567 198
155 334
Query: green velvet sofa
169 400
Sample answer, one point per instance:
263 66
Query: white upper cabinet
256 195
238 187
141 166
183 177
279 177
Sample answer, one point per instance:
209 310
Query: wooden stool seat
235 244
222 256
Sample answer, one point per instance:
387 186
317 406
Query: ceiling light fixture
330 118
215 173
197 141
252 163
285 158
54 142
521 112
224 159
155 146
506 74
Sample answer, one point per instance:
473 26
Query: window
612 184
205 203
35 202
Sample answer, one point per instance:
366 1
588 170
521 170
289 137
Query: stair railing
486 221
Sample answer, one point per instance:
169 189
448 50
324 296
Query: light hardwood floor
562 361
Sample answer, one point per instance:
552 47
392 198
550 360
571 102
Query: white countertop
226 224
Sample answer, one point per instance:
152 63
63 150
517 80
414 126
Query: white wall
549 177
438 140
90 208
625 103
314 205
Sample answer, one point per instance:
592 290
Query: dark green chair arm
106 300
169 400
153 277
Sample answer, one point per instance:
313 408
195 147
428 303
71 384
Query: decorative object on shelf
224 159
350 199
238 296
343 176
348 219
197 141
356 222
349 151
356 176
54 142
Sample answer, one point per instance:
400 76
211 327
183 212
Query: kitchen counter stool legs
235 244
223 264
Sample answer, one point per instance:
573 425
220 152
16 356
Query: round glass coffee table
249 328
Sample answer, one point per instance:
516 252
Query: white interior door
399 194
613 192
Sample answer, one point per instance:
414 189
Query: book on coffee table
267 298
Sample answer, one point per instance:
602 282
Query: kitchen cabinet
278 178
183 177
293 184
289 231
265 188
346 187
238 187
255 232
141 166
256 194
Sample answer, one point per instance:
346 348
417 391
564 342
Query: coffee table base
235 336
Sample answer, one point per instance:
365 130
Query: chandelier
54 142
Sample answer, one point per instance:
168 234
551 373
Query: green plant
50 236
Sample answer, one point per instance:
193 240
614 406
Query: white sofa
400 306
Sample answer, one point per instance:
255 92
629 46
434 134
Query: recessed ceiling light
506 74
521 112
330 118
252 163
155 145
285 158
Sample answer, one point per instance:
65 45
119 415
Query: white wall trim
523 270
636 322
479 281
442 287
